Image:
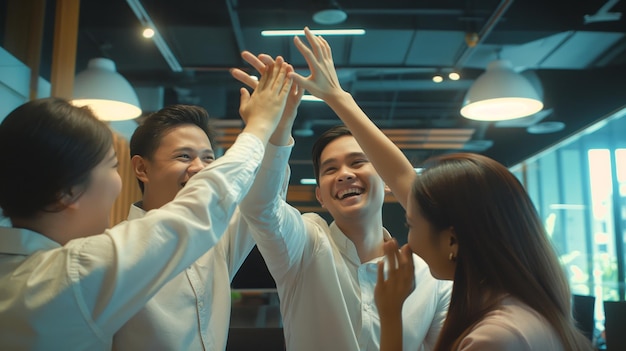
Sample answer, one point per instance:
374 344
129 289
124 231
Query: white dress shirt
192 311
76 296
326 293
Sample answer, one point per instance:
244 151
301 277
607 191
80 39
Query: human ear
70 198
387 189
453 242
139 168
318 195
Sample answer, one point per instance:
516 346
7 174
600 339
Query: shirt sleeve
277 227
114 274
239 233
444 290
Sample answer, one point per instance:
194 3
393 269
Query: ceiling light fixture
307 97
148 33
157 39
546 127
454 76
500 94
292 32
109 95
332 14
437 78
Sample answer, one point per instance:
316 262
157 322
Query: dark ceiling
579 66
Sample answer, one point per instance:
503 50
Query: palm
259 63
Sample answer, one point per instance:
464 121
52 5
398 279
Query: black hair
320 144
147 137
47 147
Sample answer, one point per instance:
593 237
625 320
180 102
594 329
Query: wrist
339 98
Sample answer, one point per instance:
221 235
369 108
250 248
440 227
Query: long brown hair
502 246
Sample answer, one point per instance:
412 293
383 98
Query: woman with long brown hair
472 221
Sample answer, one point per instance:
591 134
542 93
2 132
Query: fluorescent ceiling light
567 207
292 32
308 181
311 98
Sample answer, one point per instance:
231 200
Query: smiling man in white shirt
326 274
192 311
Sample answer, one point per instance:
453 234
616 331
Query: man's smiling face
348 183
183 151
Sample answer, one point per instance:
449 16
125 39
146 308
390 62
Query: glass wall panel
579 189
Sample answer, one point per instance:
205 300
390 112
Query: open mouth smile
349 192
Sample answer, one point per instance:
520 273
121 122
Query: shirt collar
136 210
347 247
19 241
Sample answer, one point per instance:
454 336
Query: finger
381 273
266 78
287 82
266 59
408 254
243 100
313 42
301 81
390 248
299 92
293 92
308 55
253 61
325 49
402 257
280 69
244 77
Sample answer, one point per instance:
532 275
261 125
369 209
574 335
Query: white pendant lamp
330 15
106 92
501 94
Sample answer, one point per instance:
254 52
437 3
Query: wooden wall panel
130 189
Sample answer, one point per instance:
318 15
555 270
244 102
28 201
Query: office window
579 190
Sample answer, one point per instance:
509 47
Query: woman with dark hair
67 282
472 221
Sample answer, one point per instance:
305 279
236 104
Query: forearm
137 257
389 161
282 134
275 225
265 207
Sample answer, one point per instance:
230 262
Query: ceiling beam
235 25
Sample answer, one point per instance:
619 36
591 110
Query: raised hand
390 294
283 131
323 81
259 63
263 109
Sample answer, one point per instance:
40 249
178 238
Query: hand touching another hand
262 110
283 130
293 100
